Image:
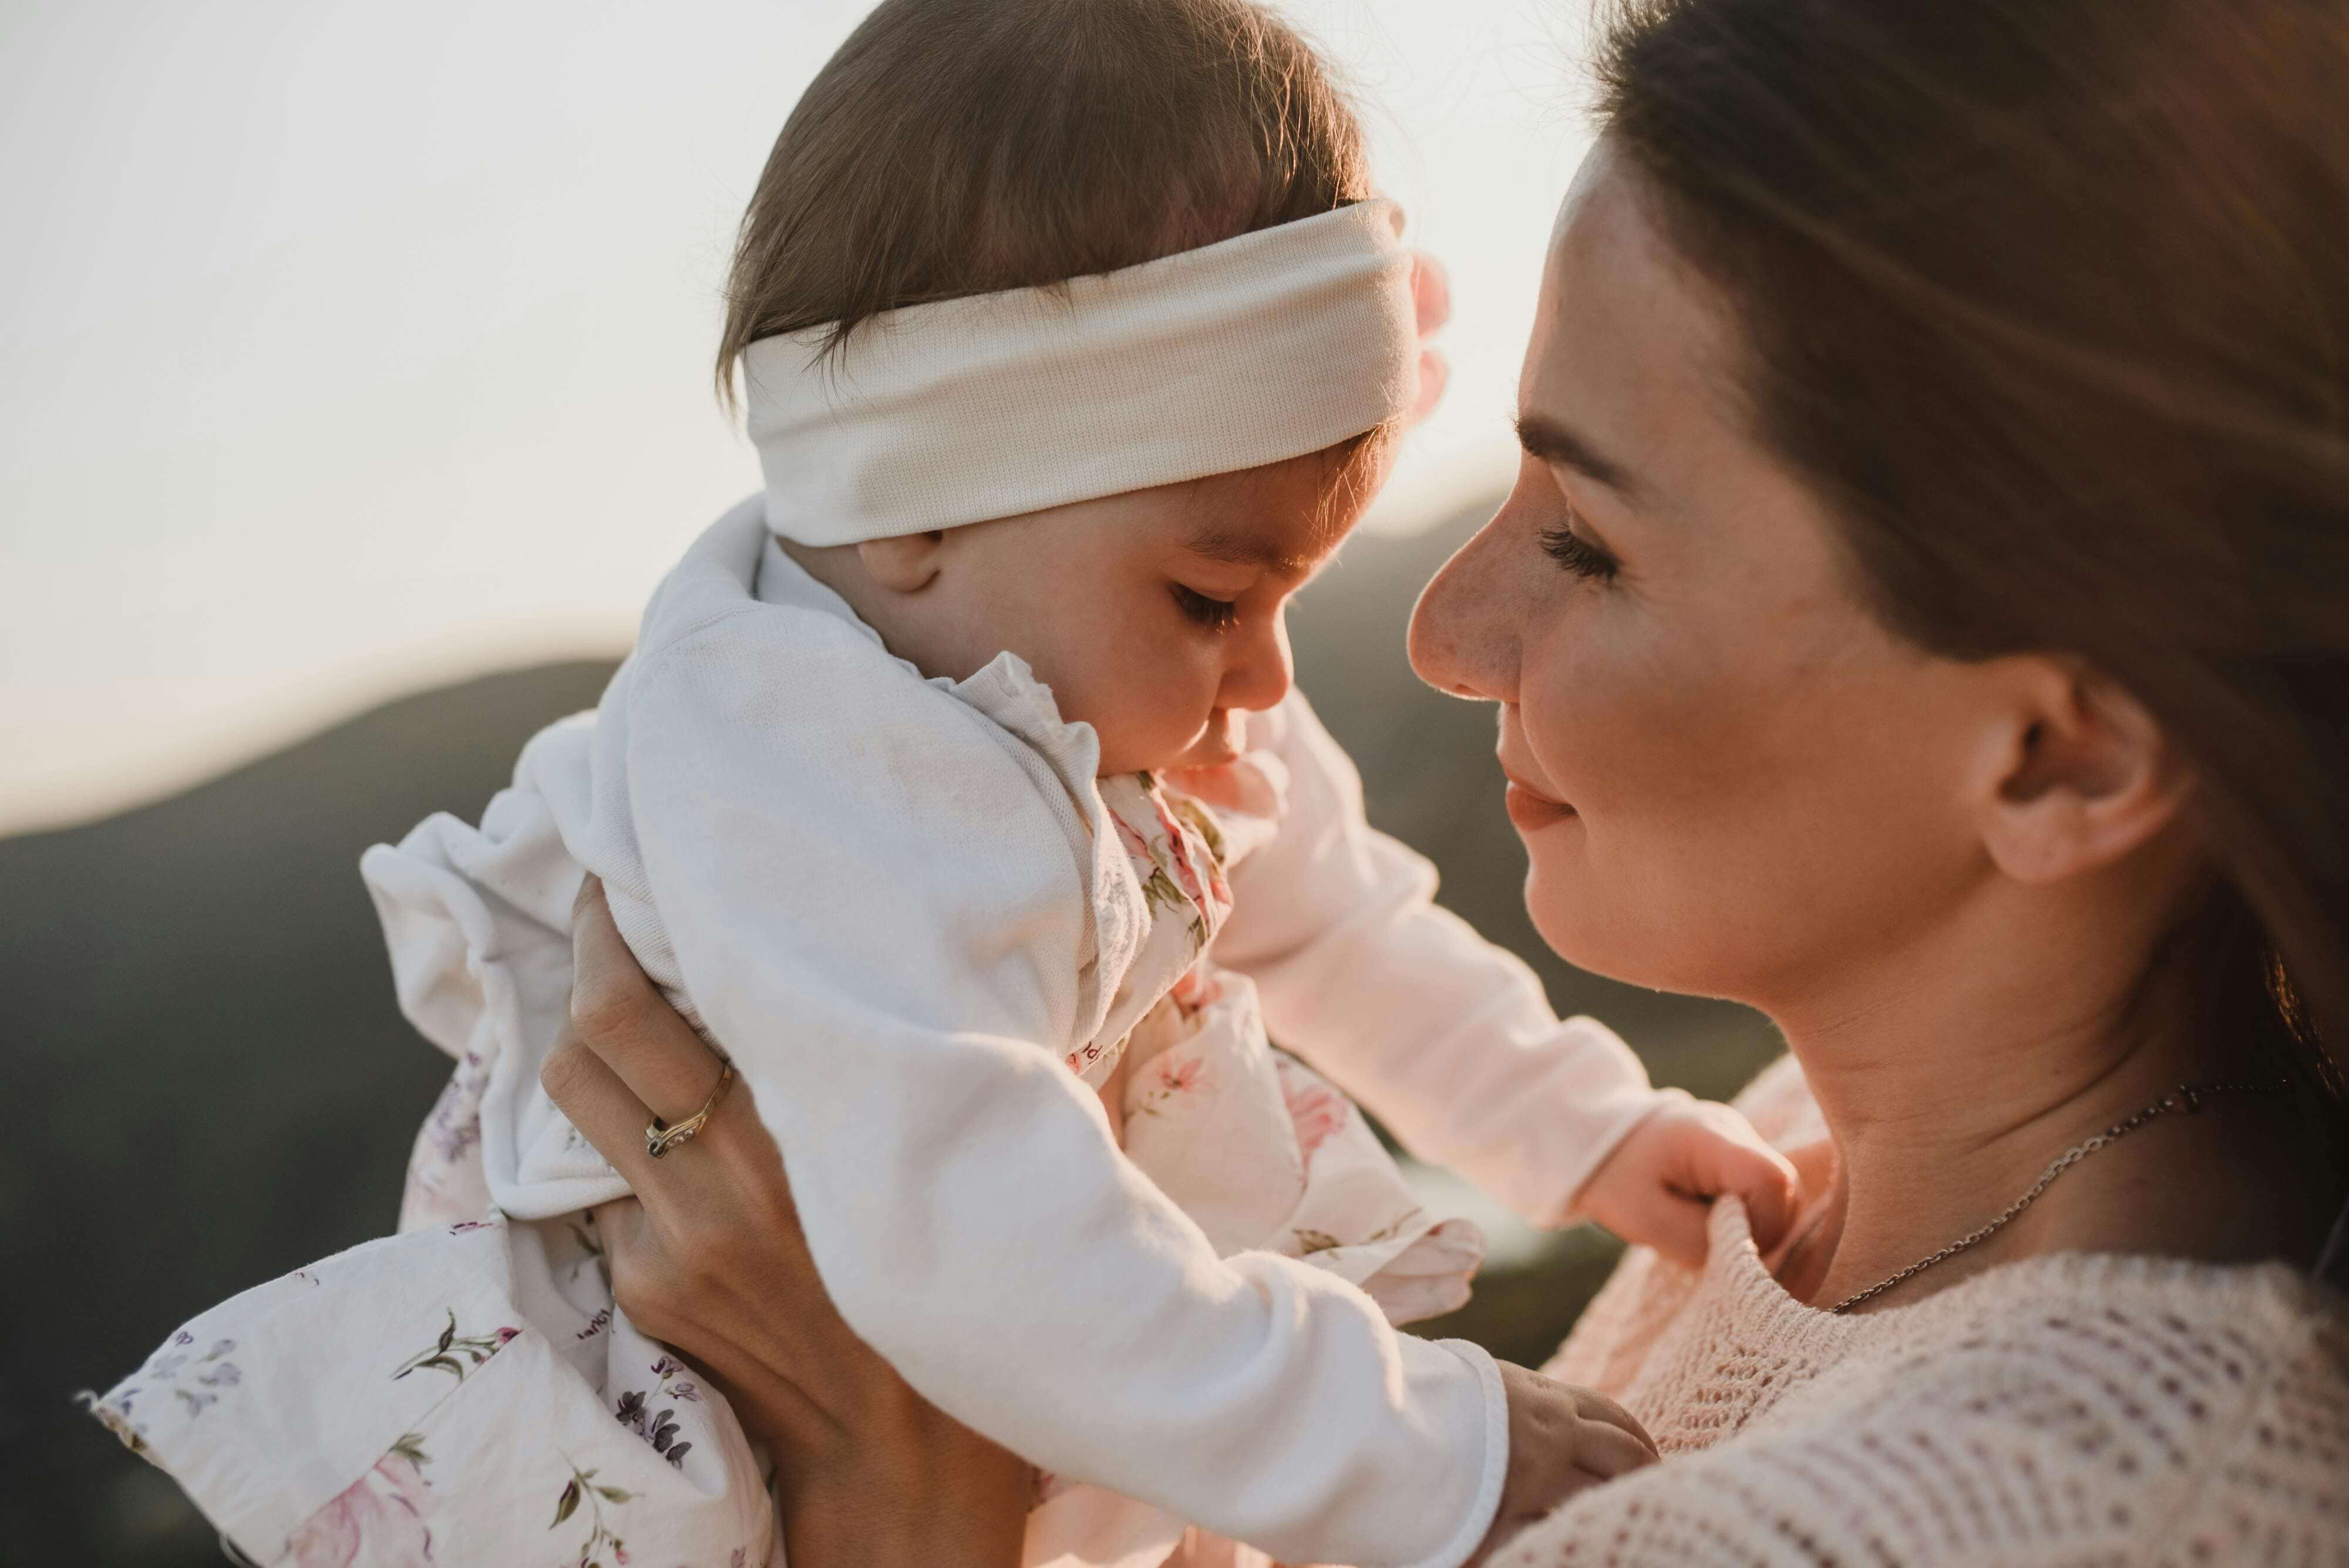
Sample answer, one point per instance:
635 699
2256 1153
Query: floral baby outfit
881 893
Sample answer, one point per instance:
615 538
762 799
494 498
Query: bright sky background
346 347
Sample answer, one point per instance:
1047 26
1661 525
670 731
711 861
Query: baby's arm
879 915
1446 1037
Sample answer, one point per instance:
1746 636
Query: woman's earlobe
904 565
2086 778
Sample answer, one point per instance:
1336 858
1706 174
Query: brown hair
962 147
2050 299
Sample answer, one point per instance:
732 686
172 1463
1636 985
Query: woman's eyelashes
1578 555
1213 613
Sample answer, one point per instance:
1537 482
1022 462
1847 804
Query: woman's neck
1951 1079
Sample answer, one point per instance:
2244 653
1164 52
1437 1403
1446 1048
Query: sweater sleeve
1443 1036
872 910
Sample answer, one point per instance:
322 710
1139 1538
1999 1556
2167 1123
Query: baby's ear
904 565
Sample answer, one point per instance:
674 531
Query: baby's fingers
1605 1451
1762 1177
1595 1410
1660 1217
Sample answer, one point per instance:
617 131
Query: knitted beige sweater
2069 1409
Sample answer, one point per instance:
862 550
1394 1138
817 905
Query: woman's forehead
1631 351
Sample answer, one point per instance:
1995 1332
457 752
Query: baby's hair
960 146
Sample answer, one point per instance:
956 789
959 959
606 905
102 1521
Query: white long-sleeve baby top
905 907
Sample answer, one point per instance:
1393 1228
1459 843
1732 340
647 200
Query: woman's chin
1583 929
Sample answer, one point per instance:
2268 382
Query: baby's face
1157 616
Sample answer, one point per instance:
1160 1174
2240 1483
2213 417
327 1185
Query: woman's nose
1464 638
1259 673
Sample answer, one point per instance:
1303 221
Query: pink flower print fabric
1315 1111
1263 1153
1258 1150
379 1519
1181 850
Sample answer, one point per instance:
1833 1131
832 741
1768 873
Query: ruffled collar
1006 689
1162 844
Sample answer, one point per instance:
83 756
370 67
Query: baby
956 791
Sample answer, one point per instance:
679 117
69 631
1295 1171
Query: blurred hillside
214 1086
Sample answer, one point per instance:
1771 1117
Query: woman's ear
2079 776
904 565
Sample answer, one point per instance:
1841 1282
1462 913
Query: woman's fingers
624 1019
625 1055
606 1110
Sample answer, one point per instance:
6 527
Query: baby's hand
1656 1187
1562 1440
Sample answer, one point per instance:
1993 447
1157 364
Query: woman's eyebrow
1549 442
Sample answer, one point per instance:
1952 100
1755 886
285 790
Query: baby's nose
1259 673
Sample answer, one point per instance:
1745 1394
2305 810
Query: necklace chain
2188 1097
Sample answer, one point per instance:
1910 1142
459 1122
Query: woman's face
1728 776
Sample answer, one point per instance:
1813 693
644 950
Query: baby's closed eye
1207 611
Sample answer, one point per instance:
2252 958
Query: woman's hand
1562 1440
710 1257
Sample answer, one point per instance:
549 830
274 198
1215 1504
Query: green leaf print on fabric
457 1353
1310 1241
1202 822
583 1488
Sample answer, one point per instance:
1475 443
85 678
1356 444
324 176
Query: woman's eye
1578 555
1214 614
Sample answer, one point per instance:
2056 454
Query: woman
1922 613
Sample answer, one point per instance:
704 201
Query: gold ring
661 1137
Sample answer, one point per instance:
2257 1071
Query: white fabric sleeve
1446 1037
872 913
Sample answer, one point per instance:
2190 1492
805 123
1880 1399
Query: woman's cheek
1621 742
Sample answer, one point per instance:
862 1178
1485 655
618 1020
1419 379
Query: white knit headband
1260 348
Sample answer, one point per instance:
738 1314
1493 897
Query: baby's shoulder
781 668
773 642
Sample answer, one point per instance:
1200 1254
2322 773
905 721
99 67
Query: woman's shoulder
2068 1410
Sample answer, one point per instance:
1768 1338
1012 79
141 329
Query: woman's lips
1531 810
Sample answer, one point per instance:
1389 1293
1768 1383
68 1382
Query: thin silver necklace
2186 1096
